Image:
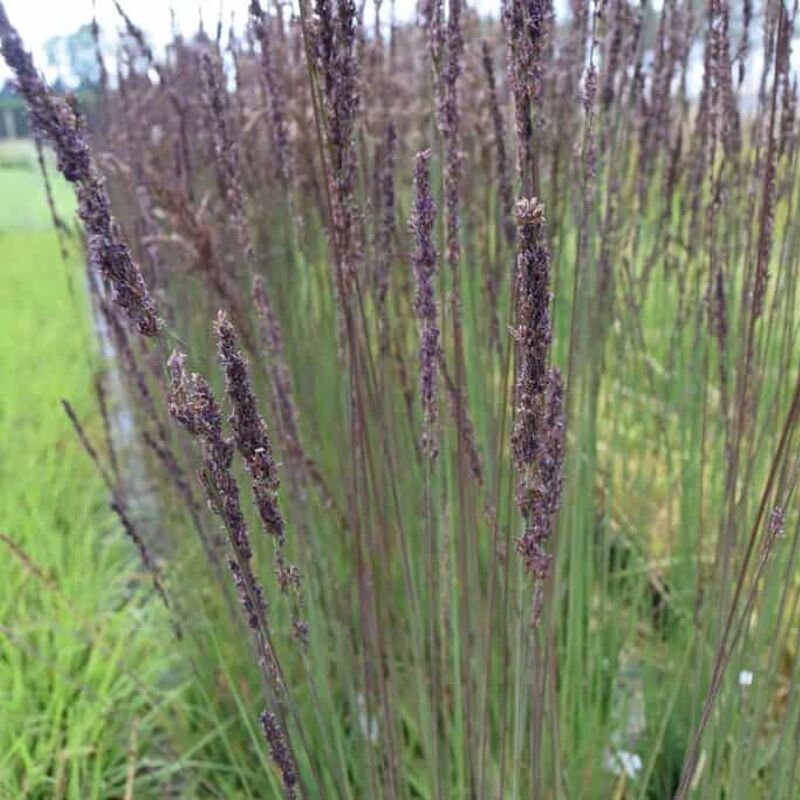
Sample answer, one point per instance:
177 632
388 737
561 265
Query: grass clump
500 503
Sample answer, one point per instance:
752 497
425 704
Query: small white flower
745 678
624 761
368 725
631 762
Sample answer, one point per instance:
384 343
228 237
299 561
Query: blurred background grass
77 654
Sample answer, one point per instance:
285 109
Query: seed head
424 261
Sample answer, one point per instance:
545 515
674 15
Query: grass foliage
655 656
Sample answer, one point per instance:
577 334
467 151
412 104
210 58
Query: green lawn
24 206
76 631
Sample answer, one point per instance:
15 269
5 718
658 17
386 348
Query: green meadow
77 643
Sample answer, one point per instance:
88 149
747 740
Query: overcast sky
39 20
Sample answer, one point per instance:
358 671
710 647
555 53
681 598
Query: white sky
39 20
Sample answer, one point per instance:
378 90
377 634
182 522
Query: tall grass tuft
536 450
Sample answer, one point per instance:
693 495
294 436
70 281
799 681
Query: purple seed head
192 403
424 261
279 129
532 332
280 752
537 441
249 429
540 483
387 224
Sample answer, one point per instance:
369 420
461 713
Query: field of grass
79 655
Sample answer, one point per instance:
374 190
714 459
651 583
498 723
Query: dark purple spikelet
724 96
449 123
527 26
226 151
537 441
590 138
424 261
272 338
250 607
551 453
718 308
279 129
523 130
249 429
614 51
765 235
386 230
423 218
335 50
788 126
498 127
467 430
429 355
775 529
280 752
432 14
769 188
540 486
253 443
60 123
664 64
777 521
532 332
744 42
192 404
